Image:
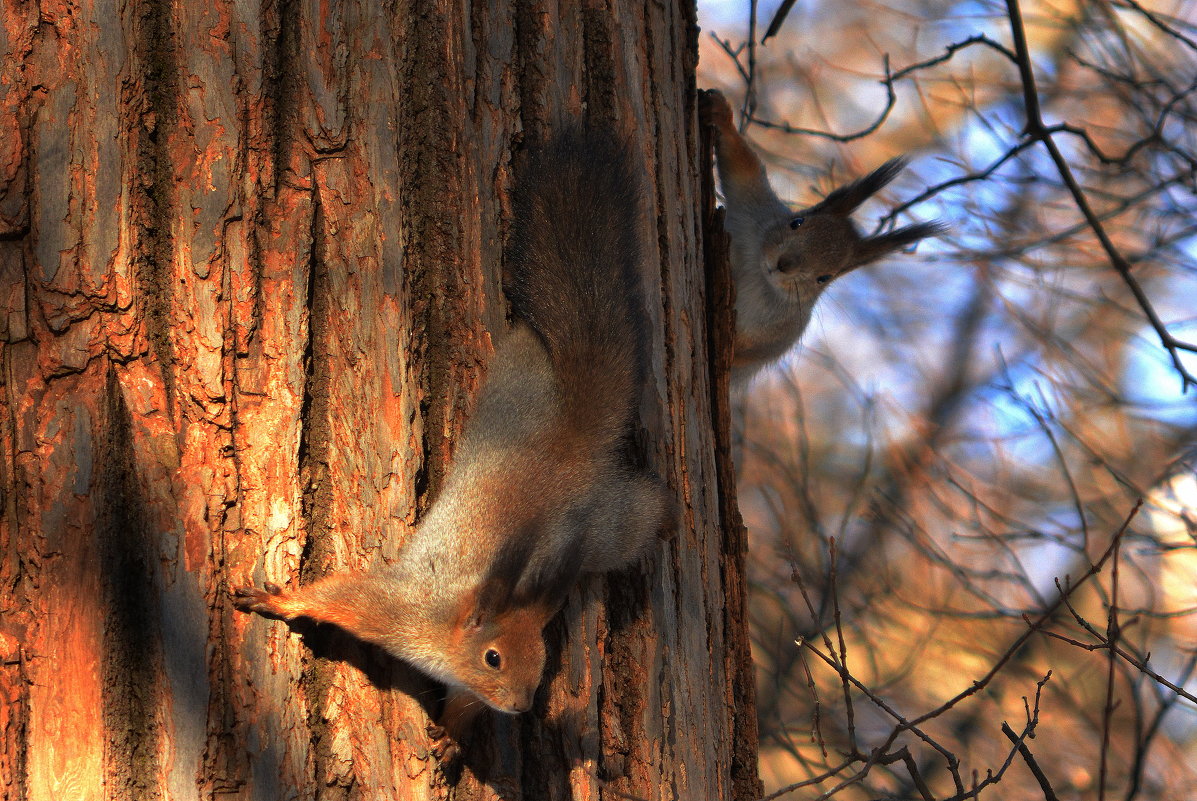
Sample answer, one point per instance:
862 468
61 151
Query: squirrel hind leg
632 512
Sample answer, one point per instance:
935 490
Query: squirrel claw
264 601
444 747
446 751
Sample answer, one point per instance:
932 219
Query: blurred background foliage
964 433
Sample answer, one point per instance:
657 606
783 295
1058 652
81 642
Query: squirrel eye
492 658
797 221
823 279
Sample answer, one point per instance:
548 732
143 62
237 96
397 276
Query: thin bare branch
1048 793
1035 129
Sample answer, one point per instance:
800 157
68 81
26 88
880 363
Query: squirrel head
499 655
809 249
497 648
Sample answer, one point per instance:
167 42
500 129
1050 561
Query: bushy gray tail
574 271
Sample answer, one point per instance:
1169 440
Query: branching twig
1036 130
1048 793
1107 715
1032 627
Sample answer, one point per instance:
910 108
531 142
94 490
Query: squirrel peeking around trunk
781 259
540 490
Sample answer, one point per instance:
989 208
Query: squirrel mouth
509 708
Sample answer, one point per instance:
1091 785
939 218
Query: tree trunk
250 258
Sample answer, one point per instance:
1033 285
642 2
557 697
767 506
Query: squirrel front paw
713 108
269 601
444 747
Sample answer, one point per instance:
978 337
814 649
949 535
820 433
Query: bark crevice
132 669
156 113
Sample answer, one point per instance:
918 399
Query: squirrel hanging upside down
540 490
782 260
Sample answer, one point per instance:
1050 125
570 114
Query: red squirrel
781 259
540 490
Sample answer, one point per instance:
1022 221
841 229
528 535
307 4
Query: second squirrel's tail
574 272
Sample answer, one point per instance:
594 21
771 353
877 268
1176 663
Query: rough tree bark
249 270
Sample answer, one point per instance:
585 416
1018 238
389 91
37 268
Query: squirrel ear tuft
549 586
496 593
491 598
846 199
875 247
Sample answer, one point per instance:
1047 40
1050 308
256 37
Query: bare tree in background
972 495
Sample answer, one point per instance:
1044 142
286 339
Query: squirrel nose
522 702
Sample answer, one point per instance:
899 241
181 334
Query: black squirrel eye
823 279
797 221
492 658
